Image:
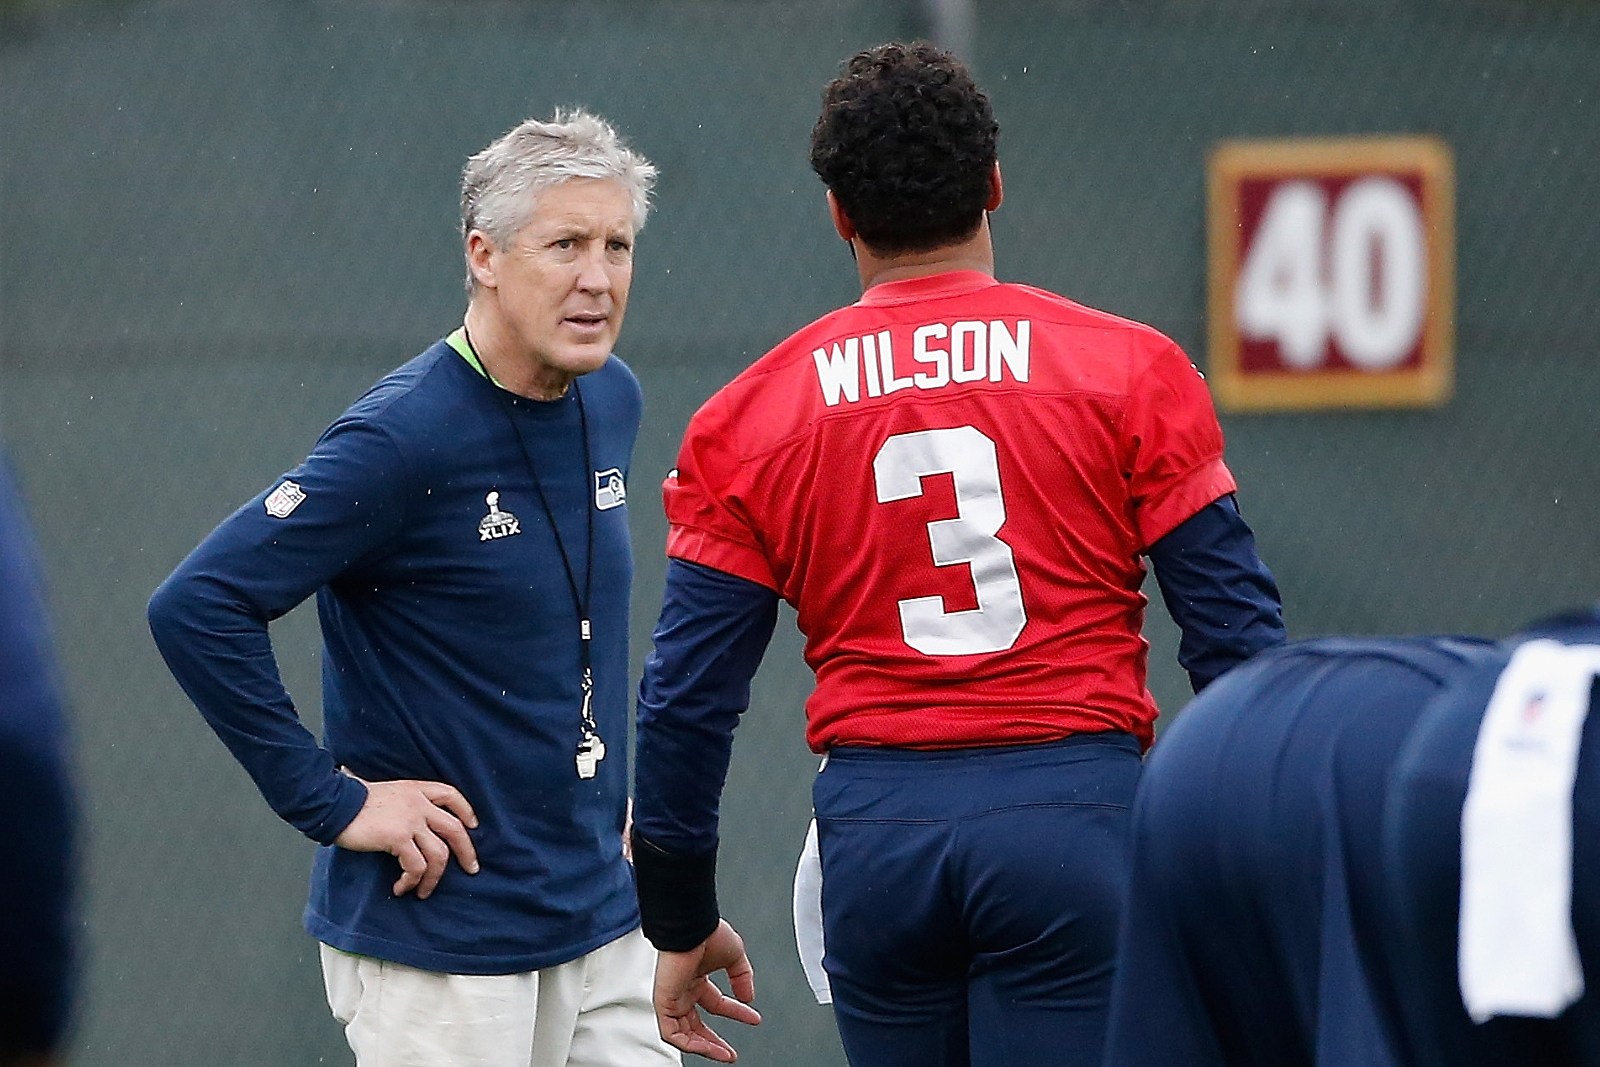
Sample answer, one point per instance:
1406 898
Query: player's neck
974 253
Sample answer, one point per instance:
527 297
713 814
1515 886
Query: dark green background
220 221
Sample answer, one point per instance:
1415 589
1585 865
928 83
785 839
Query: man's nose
592 274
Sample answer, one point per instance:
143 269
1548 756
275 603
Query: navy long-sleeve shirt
451 653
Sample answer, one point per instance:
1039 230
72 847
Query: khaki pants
592 1012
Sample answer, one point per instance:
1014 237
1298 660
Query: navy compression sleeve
1219 592
714 629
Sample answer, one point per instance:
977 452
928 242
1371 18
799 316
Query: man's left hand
683 988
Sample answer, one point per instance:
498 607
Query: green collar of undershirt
458 341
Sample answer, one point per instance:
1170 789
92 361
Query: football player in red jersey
956 482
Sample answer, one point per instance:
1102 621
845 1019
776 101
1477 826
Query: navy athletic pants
1255 899
970 899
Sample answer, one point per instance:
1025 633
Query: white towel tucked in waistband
1517 953
808 917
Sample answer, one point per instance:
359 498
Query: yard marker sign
1332 273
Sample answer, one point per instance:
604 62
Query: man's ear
480 258
997 191
841 222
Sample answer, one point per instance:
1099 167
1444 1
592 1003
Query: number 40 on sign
1332 273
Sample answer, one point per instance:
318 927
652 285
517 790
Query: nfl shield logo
610 491
284 499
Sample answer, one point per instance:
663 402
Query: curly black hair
906 141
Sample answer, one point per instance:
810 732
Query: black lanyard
580 601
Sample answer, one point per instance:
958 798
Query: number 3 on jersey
969 457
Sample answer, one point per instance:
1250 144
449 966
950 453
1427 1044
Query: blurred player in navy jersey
955 481
1492 838
1297 862
37 811
1255 900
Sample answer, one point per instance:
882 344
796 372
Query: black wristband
677 895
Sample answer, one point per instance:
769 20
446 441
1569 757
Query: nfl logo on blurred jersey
284 499
609 489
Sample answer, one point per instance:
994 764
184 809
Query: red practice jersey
953 481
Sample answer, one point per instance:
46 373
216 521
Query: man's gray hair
500 184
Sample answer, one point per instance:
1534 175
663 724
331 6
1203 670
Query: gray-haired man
464 527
